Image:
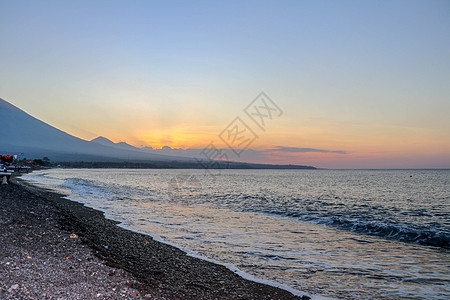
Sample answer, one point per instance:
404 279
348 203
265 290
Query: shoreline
161 271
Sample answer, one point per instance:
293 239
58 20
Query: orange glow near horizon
175 138
381 146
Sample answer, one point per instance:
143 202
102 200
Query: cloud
304 150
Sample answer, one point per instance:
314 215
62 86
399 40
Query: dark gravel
53 248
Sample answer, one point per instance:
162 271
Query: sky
358 84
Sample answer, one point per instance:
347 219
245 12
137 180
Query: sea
343 234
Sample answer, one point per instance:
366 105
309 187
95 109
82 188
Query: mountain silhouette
23 133
121 145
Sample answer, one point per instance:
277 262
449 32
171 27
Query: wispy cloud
304 150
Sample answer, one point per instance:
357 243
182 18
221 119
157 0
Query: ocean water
349 234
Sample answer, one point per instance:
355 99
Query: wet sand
54 248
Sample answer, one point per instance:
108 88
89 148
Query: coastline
142 267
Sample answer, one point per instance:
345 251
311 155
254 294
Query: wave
403 233
88 189
427 237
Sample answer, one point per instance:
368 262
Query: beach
54 248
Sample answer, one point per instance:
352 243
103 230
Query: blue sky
366 78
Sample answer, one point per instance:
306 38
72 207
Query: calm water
342 234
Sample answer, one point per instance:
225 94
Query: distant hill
103 141
121 145
23 133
